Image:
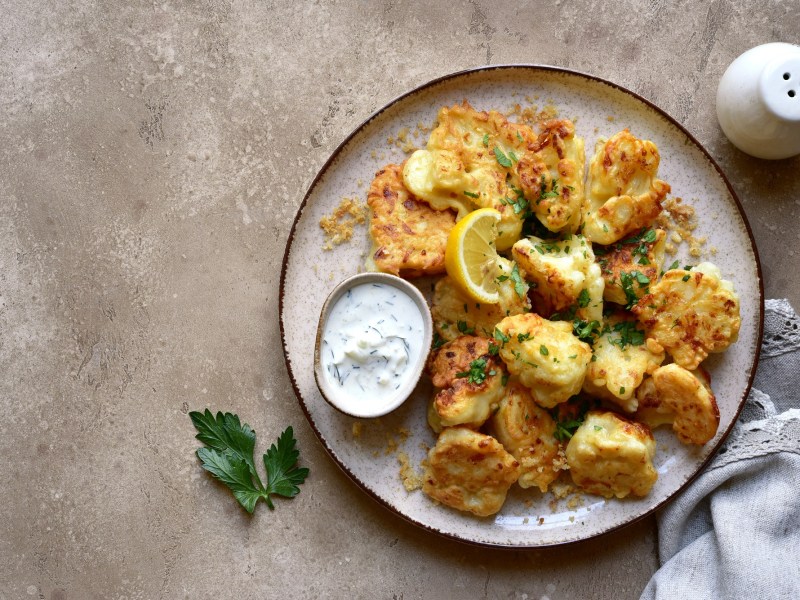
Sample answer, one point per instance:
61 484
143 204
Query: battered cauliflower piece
545 355
691 313
611 456
454 313
564 274
470 162
471 378
408 236
622 357
469 471
551 175
623 193
682 398
630 265
527 431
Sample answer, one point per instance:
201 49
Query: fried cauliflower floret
551 175
622 357
408 236
564 275
610 456
470 162
682 398
630 265
623 193
471 378
469 471
527 431
455 314
545 355
691 313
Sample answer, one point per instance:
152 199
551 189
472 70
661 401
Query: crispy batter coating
691 313
622 357
551 176
545 355
564 275
527 431
611 456
471 378
623 193
455 314
462 166
624 263
408 236
682 398
469 471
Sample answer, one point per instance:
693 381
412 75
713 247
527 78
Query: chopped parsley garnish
464 328
686 277
583 298
628 335
485 140
438 341
586 331
520 287
566 429
477 371
500 336
228 456
521 337
471 194
493 348
627 280
502 158
543 350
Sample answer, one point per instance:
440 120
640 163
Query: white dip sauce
370 344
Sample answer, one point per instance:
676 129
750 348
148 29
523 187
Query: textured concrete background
153 156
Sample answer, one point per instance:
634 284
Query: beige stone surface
153 157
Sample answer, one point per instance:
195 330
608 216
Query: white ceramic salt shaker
758 101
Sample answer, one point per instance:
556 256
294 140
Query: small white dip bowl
345 383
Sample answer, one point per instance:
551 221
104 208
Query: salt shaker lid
779 86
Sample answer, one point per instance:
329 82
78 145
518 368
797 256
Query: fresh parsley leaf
521 337
471 194
686 278
438 340
228 456
543 350
583 298
464 328
502 158
566 429
519 285
477 371
586 331
628 335
673 266
485 140
500 336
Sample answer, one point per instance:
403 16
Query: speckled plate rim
548 69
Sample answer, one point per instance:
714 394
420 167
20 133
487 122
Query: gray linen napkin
735 532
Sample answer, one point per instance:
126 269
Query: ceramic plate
370 451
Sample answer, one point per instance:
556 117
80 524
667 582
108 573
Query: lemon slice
470 256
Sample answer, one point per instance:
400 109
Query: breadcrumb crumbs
680 220
338 227
358 427
411 479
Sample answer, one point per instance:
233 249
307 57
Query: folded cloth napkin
735 531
